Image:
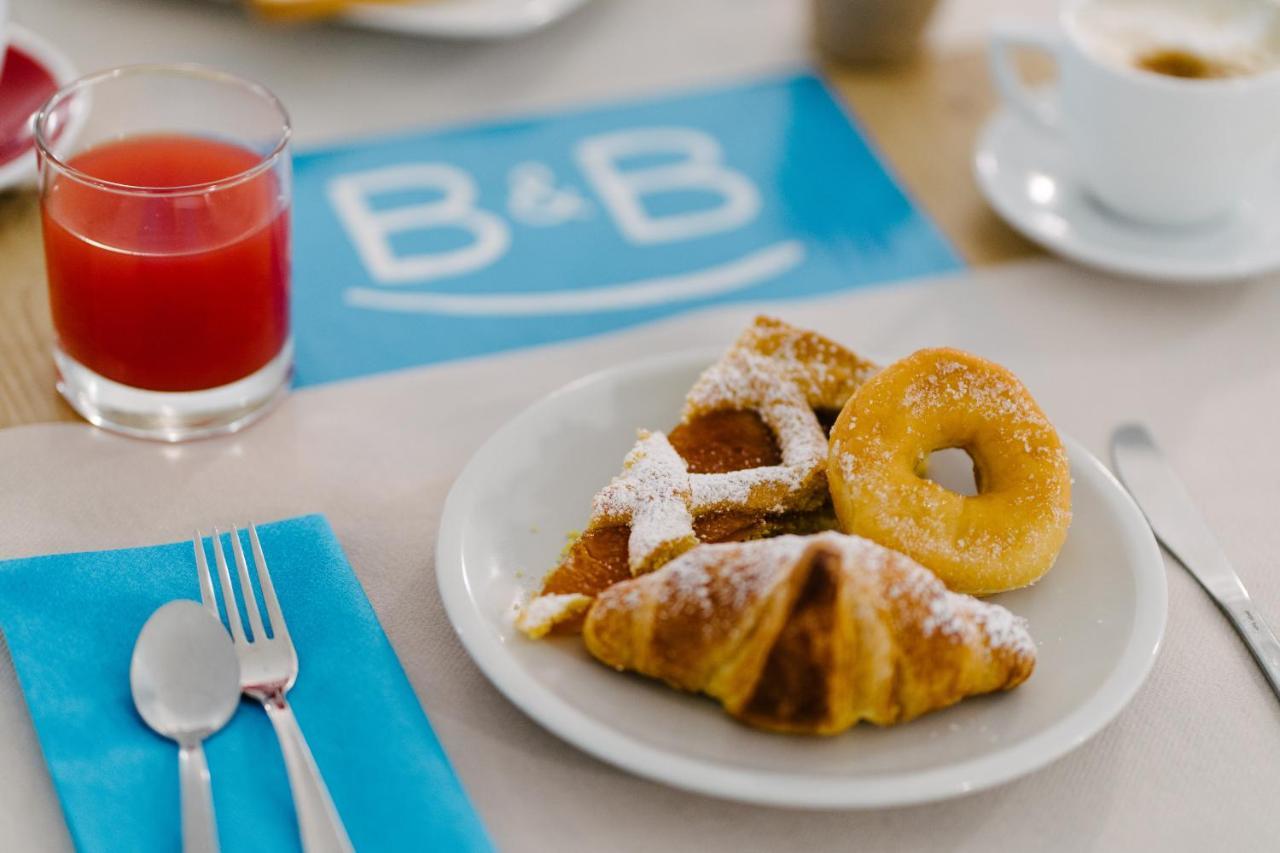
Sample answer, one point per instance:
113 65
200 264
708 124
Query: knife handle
1262 642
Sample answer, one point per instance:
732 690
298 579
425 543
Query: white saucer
462 19
21 170
1027 175
1098 617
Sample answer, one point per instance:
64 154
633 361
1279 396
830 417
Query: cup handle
1007 38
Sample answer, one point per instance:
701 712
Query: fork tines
275 619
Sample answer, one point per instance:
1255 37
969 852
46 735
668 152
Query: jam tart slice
747 461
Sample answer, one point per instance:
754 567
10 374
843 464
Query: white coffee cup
1156 148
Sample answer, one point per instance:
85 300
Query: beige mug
870 31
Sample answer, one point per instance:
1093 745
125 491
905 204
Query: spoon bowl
184 673
186 685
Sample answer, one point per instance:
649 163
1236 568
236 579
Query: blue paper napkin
71 620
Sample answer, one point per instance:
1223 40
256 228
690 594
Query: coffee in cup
1208 39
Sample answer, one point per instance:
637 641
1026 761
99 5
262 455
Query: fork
268 668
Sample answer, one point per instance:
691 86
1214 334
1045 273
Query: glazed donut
1004 537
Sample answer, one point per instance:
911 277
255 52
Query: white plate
459 19
462 19
1028 177
1098 617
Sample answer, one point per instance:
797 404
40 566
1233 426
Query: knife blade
1181 529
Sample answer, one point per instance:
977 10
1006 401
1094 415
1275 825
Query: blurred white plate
461 19
1028 177
1098 618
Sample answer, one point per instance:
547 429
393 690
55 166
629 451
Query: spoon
186 685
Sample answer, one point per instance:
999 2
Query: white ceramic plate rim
491 20
459 19
22 168
786 789
1153 268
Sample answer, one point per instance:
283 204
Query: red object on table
168 289
24 86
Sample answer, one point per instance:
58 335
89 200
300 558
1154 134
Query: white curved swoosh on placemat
746 271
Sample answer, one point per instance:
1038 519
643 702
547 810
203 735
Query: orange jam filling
713 443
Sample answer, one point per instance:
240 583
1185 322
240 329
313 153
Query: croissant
809 634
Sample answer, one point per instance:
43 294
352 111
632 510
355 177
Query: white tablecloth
1192 764
340 81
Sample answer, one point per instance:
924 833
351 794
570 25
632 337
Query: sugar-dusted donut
1004 537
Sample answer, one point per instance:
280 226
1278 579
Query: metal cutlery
1180 528
186 685
268 669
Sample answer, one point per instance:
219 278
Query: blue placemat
440 245
71 621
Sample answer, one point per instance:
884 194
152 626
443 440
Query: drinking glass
164 198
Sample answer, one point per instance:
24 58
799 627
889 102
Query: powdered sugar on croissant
809 634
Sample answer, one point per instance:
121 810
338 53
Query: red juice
168 291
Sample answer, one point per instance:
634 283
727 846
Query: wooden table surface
923 117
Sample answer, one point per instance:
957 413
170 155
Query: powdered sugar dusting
756 567
747 380
1004 630
730 576
967 619
992 395
826 373
652 494
710 584
962 618
539 616
1025 509
779 372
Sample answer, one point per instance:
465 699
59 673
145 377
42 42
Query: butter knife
1181 529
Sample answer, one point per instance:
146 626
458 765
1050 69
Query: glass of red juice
166 235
